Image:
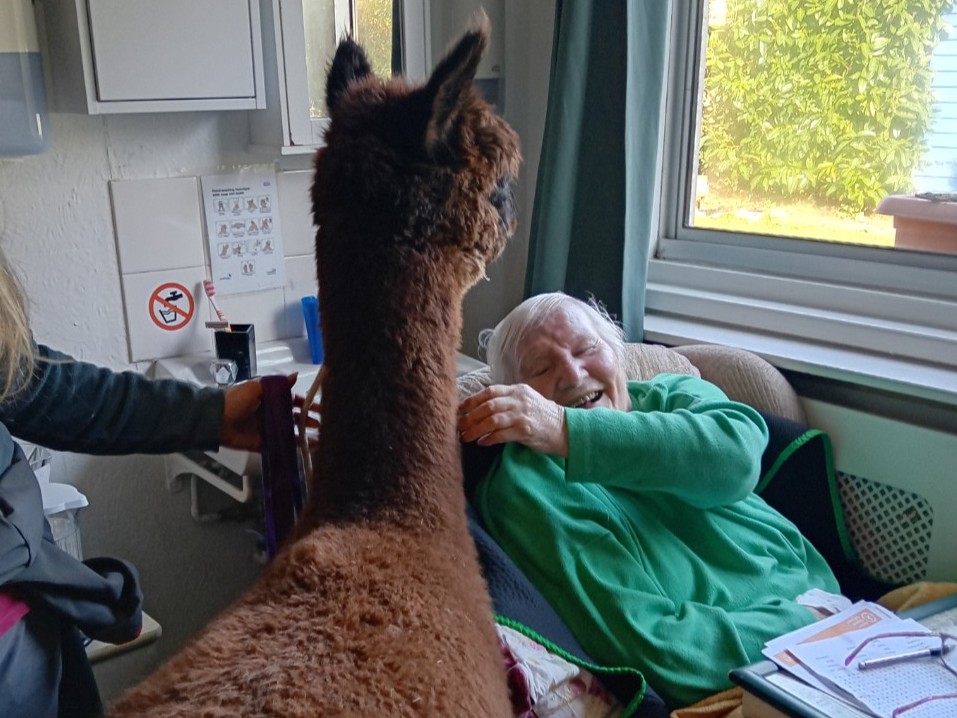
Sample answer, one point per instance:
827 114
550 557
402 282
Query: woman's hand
241 424
515 412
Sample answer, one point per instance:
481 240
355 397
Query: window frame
859 299
306 131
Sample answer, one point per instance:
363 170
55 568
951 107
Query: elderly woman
46 595
630 504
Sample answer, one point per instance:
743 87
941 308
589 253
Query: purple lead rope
283 488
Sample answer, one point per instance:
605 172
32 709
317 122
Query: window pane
374 33
813 114
371 23
319 24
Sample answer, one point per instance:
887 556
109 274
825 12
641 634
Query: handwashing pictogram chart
243 231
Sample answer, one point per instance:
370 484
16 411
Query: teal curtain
592 217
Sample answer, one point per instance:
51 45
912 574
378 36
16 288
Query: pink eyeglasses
944 652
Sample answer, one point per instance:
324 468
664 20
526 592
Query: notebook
769 692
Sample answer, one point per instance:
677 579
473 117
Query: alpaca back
376 606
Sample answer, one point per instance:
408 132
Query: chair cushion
646 361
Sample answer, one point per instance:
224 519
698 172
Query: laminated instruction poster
245 239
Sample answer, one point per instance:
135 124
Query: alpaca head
413 174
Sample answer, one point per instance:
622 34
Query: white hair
502 344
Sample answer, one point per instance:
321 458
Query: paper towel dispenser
24 126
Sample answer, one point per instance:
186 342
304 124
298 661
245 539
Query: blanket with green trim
519 605
799 480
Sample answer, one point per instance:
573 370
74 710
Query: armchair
797 478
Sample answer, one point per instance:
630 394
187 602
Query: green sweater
649 541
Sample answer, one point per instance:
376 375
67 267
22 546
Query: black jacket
100 597
75 406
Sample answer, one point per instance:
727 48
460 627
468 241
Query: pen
900 657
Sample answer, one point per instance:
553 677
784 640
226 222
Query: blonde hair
502 344
16 341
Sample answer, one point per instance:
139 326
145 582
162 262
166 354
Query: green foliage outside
374 33
824 99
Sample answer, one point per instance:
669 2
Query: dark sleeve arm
75 406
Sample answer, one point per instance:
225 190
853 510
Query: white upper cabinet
299 41
112 56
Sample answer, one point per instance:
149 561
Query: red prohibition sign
172 310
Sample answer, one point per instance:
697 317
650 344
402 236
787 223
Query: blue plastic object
310 311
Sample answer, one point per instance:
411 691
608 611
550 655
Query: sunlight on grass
741 213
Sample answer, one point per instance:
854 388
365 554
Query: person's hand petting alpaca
515 412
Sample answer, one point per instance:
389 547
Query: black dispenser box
239 344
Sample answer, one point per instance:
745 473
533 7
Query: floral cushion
543 684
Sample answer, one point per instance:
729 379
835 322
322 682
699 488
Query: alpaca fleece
376 605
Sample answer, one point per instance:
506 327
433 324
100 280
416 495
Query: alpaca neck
388 446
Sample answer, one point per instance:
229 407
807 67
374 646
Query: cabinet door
171 49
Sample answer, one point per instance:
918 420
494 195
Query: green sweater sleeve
684 437
75 406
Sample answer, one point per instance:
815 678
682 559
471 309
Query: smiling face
565 359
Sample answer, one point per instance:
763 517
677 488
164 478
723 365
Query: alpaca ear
349 64
451 77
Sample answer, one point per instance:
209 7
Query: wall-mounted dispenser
24 127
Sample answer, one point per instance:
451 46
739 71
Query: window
310 30
369 21
788 126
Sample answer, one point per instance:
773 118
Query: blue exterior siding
938 170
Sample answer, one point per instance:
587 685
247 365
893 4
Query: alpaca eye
502 194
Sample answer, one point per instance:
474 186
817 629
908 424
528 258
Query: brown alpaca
376 606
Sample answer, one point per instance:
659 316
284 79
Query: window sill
898 376
842 346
